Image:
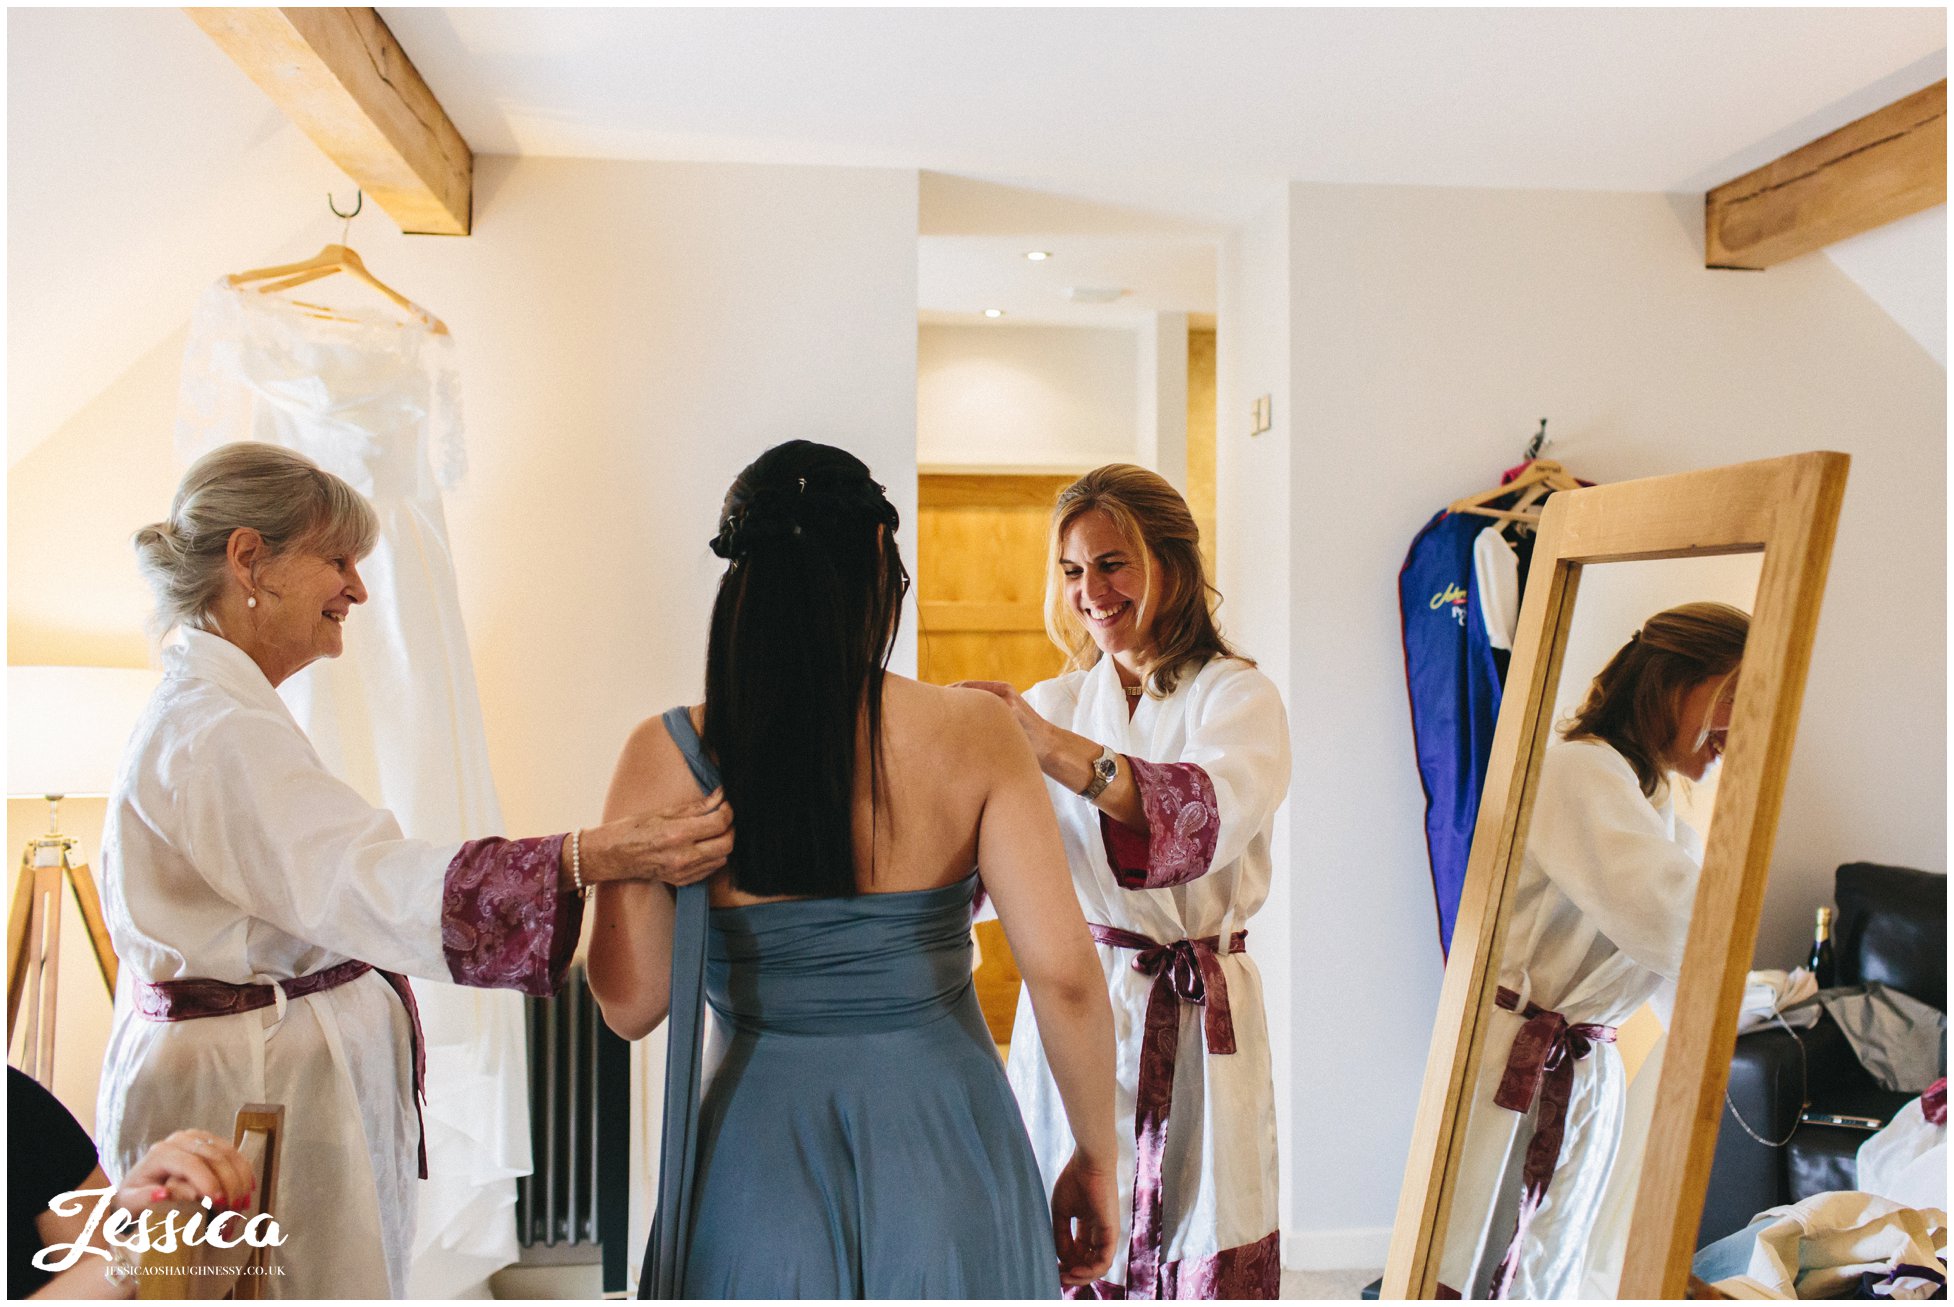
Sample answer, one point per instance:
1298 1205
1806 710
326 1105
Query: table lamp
66 729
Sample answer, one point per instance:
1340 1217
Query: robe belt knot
1540 1068
193 997
1185 970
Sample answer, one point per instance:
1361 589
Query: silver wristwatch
1104 768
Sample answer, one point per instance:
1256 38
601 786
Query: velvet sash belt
1187 970
194 997
1540 1066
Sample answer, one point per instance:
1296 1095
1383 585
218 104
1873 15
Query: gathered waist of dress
841 966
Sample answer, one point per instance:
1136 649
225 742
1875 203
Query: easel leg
90 904
17 942
47 903
46 894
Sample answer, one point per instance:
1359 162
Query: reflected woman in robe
1599 918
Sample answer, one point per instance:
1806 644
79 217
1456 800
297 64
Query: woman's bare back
920 830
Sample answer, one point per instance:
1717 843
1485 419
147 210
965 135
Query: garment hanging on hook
1459 597
333 259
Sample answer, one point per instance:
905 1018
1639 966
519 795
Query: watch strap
1104 768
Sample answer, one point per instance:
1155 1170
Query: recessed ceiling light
993 313
1038 256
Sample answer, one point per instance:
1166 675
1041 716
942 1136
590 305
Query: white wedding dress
375 401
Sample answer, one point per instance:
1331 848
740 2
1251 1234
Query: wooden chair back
205 1271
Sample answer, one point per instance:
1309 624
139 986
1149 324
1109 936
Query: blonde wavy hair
1153 518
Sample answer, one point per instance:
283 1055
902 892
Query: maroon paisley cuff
504 925
1183 825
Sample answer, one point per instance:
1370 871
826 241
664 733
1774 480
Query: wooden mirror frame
1787 508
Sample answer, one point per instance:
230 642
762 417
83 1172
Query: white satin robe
1607 882
231 853
1219 1169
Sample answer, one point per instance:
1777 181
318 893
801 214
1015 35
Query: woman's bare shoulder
975 717
651 771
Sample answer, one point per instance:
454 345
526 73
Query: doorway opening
1054 335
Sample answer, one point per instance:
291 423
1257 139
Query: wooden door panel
1022 658
980 594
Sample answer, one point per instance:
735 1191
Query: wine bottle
1821 965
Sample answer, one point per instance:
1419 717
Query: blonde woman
1166 755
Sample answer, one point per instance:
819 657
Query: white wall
1252 571
996 394
1162 396
1431 329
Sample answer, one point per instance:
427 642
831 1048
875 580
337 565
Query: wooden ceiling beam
343 78
1887 165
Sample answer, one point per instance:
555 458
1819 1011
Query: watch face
1106 768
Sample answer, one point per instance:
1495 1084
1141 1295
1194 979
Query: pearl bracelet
576 864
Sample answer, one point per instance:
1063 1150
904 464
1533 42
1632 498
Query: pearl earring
251 601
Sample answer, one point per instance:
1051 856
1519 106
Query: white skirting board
1335 1250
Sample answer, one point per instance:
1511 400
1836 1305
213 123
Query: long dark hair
1636 701
801 631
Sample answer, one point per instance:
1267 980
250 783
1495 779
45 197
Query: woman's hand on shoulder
682 844
653 830
1034 727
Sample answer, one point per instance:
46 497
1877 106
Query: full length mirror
1593 945
1610 908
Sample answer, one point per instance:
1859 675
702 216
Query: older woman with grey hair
267 916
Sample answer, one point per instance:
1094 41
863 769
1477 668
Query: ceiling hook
359 202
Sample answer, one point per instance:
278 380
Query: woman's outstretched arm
1022 859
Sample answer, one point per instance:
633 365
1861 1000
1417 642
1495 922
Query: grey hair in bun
285 497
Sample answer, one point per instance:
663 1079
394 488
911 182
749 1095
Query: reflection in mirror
1594 940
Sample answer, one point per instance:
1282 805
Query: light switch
1262 419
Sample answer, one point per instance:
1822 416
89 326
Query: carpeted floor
1326 1286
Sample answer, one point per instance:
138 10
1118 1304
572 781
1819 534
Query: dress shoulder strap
663 1274
678 723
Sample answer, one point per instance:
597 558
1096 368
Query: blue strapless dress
857 1138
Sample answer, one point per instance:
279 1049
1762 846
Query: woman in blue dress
855 1135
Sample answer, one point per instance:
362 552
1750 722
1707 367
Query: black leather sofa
1891 926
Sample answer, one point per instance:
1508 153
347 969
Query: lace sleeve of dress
503 923
447 451
1183 825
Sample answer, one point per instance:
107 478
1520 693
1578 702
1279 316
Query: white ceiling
1122 137
1186 110
959 276
141 163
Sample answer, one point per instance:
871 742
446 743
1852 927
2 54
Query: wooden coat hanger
1541 478
336 258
